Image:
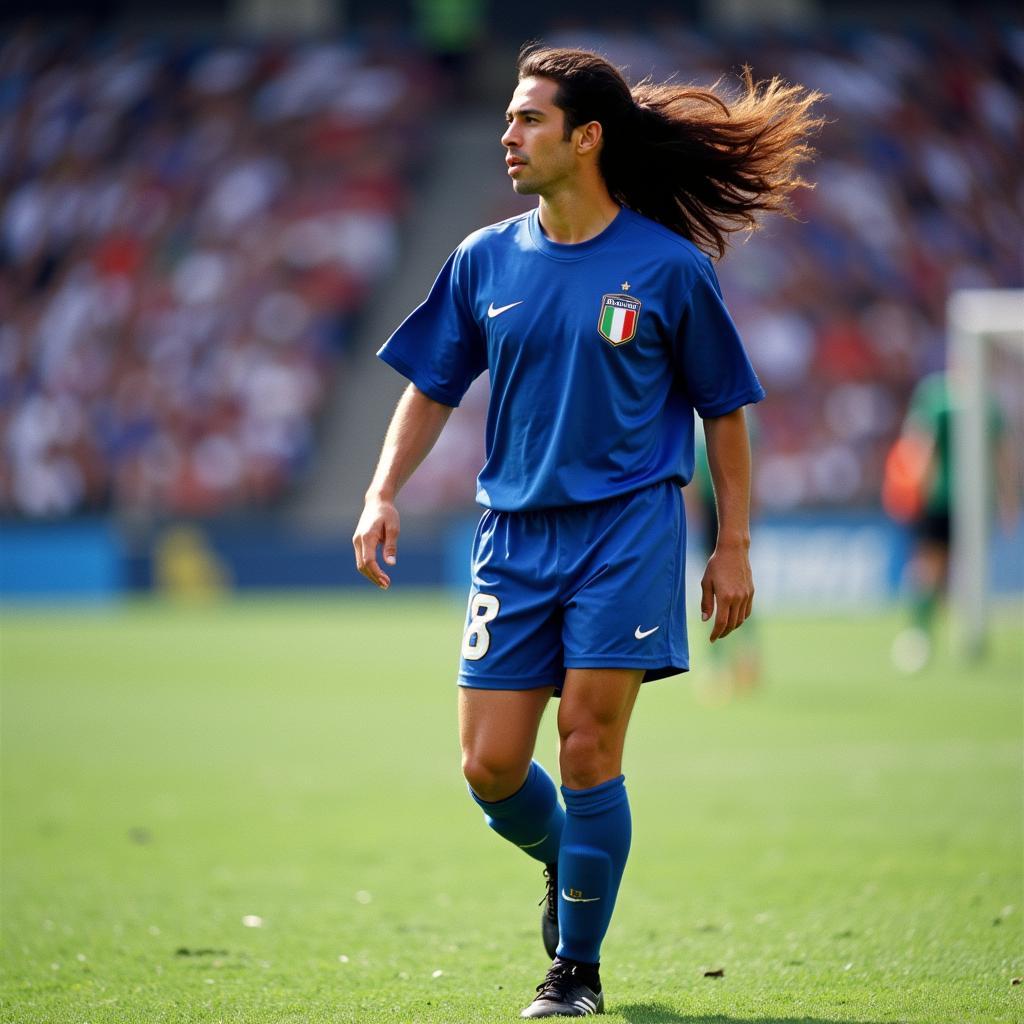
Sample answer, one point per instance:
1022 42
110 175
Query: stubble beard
557 177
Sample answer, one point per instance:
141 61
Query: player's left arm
727 589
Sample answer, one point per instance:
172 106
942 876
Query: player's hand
727 590
377 526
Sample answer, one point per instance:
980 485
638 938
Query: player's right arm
415 427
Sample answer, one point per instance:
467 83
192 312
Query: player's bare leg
498 731
928 571
593 716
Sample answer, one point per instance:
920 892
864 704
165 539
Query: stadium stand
187 231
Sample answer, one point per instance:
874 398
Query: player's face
538 156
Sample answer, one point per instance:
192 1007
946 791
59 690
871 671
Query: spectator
186 232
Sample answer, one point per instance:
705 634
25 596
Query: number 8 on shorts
483 608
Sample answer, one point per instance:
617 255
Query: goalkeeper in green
926 442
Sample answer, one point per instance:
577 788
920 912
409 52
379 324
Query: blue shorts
587 586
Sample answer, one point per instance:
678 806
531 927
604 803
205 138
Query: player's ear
588 137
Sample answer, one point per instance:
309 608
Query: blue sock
531 817
595 845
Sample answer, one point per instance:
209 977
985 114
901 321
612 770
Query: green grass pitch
844 844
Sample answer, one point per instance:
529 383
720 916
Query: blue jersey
598 355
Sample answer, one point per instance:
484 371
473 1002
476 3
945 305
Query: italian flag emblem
619 315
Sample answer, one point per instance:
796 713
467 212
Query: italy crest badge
618 319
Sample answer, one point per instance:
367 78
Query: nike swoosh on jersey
641 633
579 899
492 312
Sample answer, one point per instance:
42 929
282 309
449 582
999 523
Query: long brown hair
700 161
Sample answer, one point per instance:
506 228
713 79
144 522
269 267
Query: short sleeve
439 346
710 359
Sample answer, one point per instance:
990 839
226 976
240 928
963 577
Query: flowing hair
701 161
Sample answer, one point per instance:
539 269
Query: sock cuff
535 788
596 799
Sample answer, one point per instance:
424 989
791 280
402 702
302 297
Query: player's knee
585 759
492 778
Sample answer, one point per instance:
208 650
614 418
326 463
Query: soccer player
926 446
599 318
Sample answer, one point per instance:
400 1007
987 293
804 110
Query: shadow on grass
658 1013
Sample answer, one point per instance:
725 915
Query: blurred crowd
187 230
919 192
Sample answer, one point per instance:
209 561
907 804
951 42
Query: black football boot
571 989
549 916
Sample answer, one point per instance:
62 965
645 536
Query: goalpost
980 320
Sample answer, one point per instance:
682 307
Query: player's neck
574 215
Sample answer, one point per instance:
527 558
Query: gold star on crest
624 286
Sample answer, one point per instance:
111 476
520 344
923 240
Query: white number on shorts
483 608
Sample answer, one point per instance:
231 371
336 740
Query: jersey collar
577 250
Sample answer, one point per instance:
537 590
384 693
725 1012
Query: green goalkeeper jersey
931 414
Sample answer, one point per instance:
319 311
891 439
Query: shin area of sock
531 818
595 845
